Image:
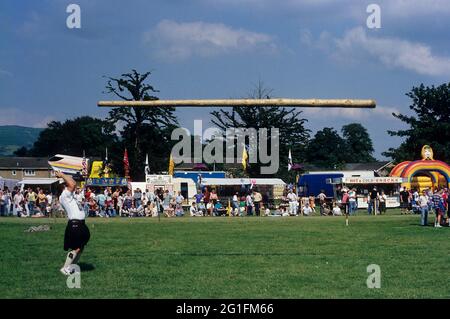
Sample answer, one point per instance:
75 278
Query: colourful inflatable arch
424 173
397 170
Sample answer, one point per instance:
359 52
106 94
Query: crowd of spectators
29 203
106 202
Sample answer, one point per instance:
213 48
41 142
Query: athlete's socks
77 257
71 255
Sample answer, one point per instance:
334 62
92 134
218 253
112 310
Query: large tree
429 125
72 137
293 134
358 143
145 130
327 149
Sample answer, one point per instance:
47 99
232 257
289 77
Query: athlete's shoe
66 270
437 226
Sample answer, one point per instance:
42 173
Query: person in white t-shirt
423 204
193 210
293 203
77 234
336 210
307 210
18 199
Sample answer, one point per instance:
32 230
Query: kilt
76 235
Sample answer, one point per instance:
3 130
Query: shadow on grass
86 267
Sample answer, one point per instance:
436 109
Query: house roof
24 162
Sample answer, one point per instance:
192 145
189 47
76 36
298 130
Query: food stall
363 185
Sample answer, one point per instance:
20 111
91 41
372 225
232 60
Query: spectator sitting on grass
282 211
109 206
307 210
179 212
218 209
21 211
152 210
336 210
193 210
209 208
93 211
201 207
325 210
136 211
137 196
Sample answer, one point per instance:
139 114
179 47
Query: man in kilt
77 234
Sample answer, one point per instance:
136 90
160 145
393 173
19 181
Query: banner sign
373 180
158 179
104 182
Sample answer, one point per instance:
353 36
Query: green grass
294 257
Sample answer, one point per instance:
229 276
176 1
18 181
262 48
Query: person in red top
207 195
345 199
87 194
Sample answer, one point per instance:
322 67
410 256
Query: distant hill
13 137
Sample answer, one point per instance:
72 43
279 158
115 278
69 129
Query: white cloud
175 41
380 112
14 116
356 45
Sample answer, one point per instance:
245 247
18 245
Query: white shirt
337 211
423 201
249 200
307 210
292 197
18 198
78 197
49 199
193 211
70 205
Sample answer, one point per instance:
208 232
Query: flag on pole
290 163
126 164
84 170
147 167
244 158
171 165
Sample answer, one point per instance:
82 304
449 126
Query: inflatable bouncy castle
426 173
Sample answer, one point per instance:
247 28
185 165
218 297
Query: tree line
147 130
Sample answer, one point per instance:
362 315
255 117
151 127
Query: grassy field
220 257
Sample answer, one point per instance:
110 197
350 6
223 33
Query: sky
221 49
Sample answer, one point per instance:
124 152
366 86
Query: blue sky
220 49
